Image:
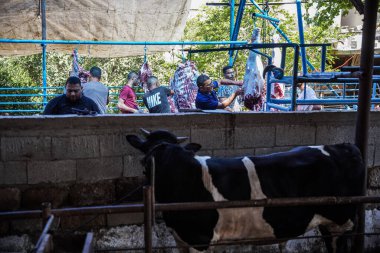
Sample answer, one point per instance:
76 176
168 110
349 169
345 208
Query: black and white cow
310 171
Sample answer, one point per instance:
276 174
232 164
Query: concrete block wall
86 160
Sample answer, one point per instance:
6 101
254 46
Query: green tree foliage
326 11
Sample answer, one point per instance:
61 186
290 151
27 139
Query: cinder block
124 219
10 199
333 134
374 177
85 194
51 171
114 145
205 152
129 189
370 155
99 169
288 135
376 159
25 148
255 137
373 133
13 172
211 138
133 166
75 147
27 226
32 198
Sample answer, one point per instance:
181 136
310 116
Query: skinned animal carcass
184 85
254 86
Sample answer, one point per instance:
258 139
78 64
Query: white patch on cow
256 191
237 223
335 229
321 148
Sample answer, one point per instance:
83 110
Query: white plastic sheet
101 20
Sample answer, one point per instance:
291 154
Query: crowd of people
93 97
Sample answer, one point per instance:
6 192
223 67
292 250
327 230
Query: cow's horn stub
145 132
181 139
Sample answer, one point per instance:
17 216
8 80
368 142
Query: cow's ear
195 147
135 141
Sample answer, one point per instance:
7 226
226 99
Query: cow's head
155 138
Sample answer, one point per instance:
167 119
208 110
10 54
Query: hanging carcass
184 85
254 86
78 70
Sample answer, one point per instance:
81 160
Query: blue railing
10 99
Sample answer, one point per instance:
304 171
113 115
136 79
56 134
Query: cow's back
332 170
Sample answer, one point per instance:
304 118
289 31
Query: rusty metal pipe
148 218
136 208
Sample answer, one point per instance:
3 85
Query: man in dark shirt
206 97
72 102
156 99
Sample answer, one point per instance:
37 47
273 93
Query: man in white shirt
310 94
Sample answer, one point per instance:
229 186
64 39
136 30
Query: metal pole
148 218
232 15
43 20
302 38
362 120
46 212
235 33
295 78
138 208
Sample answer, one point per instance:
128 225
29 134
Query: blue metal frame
44 75
301 37
266 17
235 33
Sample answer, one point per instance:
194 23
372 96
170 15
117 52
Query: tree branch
359 6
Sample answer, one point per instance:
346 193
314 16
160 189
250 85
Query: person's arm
108 97
230 82
168 91
229 100
123 107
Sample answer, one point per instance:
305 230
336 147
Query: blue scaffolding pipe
373 93
322 101
274 24
232 21
44 75
278 107
135 43
266 17
301 35
235 33
29 88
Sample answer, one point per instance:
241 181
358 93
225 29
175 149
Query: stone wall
85 160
